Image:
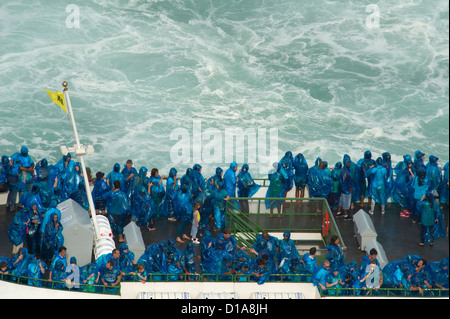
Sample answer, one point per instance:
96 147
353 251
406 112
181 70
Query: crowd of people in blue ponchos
124 194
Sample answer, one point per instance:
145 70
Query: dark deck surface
399 236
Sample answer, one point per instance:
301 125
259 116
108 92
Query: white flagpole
80 151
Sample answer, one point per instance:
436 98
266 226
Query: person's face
55 218
326 265
63 253
34 207
129 165
226 236
372 257
157 174
116 254
265 236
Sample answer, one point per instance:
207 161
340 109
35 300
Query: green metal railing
55 284
246 226
381 292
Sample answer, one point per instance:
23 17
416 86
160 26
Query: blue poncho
18 228
444 189
364 164
276 186
320 183
286 248
129 184
300 171
25 161
66 167
229 180
378 187
434 174
287 163
116 175
246 185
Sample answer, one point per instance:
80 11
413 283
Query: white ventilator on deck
363 228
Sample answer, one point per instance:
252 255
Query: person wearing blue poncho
15 184
184 206
310 263
52 237
418 279
431 218
172 189
259 271
33 236
434 175
198 181
387 163
286 248
246 187
207 249
32 195
335 253
300 174
66 167
378 187
444 189
42 170
230 180
36 270
79 195
439 272
419 161
347 187
275 189
158 192
129 173
404 175
172 261
287 163
222 262
187 261
335 195
18 228
266 244
320 277
334 281
217 178
117 208
418 188
148 261
219 198
226 241
126 261
4 163
115 175
354 171
365 164
319 182
89 276
100 188
143 208
26 166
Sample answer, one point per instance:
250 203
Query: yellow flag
58 98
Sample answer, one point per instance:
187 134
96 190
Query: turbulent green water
323 73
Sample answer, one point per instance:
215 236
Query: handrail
250 228
379 292
50 284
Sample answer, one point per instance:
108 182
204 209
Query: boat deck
399 236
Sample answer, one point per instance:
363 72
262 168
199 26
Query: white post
83 166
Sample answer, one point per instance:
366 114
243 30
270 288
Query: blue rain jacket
300 166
